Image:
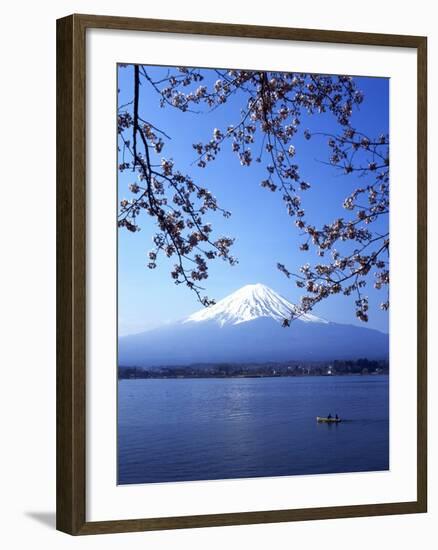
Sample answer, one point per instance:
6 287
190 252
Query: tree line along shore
230 370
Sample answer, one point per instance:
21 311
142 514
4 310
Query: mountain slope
246 327
248 303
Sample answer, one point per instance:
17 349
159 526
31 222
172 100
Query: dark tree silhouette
272 107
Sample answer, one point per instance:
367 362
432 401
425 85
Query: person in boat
329 416
336 416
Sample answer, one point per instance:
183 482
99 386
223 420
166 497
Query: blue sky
264 233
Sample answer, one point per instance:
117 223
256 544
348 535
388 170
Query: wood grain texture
248 518
71 231
422 274
247 31
71 270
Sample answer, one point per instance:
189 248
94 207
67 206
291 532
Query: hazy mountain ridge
246 326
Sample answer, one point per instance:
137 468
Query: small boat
327 420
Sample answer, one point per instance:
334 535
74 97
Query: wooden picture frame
71 274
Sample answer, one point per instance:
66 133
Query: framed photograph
241 287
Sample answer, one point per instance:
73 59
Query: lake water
199 429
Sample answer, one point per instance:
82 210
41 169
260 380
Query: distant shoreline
270 370
218 377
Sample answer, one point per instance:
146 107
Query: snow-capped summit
246 327
248 303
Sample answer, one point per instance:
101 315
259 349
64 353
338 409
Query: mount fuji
246 326
249 303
